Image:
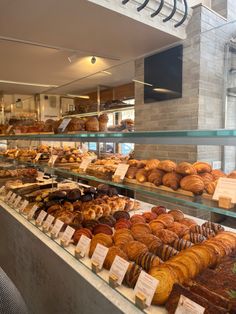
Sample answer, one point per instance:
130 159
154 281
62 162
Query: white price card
67 235
17 201
2 190
64 124
83 245
23 206
48 222
9 129
121 171
99 255
225 188
57 228
119 269
85 163
187 306
41 217
9 194
32 212
146 285
37 157
52 160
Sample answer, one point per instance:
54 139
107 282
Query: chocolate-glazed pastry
102 228
213 226
103 188
132 275
181 244
107 220
165 252
73 195
90 190
206 232
90 224
57 195
121 214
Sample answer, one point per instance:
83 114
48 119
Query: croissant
167 165
156 176
141 175
206 178
232 175
185 168
192 183
218 174
210 188
141 163
201 166
172 180
131 173
152 164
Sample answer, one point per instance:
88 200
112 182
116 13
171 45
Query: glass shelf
226 137
197 202
95 113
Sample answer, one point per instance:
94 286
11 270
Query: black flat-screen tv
163 72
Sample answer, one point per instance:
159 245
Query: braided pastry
132 275
165 252
213 226
181 244
206 232
147 260
194 237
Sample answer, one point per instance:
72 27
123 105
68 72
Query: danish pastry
112 253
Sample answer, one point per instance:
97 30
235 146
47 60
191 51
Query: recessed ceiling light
79 96
93 60
141 82
27 84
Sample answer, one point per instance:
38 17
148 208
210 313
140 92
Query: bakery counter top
50 279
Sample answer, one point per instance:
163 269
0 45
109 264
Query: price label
67 235
225 187
121 171
57 228
12 198
9 194
17 201
83 245
32 212
99 255
187 306
48 222
146 285
2 190
9 129
85 163
37 157
119 269
52 160
64 124
23 206
40 218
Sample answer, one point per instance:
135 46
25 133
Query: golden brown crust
172 180
155 177
185 168
218 174
141 175
193 183
177 214
152 164
167 165
202 166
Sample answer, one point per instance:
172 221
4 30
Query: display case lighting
79 96
27 84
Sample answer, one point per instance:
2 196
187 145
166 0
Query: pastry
206 232
90 224
181 244
132 275
201 167
121 215
216 173
149 216
131 173
156 226
188 222
166 219
167 236
89 214
150 240
166 280
141 175
193 183
102 228
177 214
185 168
152 164
232 175
194 237
92 124
122 237
107 220
178 228
122 223
158 210
103 120
172 180
210 188
137 219
140 228
78 233
101 238
207 178
133 249
76 124
155 177
147 260
167 165
213 226
112 253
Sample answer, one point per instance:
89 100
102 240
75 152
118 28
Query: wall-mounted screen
163 74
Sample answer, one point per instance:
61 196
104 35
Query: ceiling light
79 96
27 84
106 72
140 82
93 60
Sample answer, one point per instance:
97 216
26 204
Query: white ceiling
74 25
